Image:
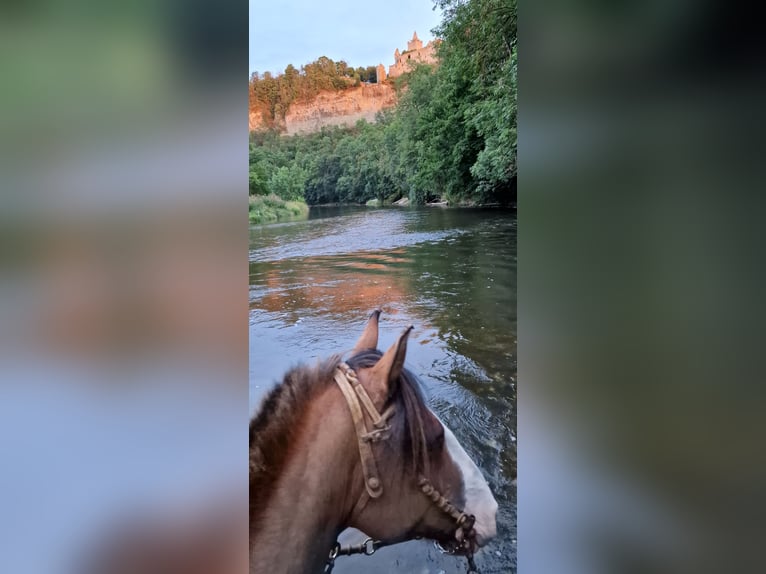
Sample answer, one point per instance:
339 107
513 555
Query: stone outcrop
339 108
255 122
345 107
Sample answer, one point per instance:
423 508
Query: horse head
425 479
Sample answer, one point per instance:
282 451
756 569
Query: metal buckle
443 550
369 547
334 552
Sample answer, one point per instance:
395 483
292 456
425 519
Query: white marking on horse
478 497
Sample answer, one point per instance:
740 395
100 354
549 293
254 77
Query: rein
357 398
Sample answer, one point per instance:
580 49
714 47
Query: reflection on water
449 272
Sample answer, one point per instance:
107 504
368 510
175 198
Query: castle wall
403 62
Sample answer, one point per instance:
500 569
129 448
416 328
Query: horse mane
272 429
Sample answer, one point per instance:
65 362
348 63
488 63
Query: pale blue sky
361 32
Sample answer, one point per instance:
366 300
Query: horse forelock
273 427
409 397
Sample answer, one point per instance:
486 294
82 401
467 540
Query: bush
271 208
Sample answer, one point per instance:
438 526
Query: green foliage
452 135
479 56
495 121
258 182
271 96
271 208
288 182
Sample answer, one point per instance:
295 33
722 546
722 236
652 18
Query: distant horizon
312 31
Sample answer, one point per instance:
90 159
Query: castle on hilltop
415 53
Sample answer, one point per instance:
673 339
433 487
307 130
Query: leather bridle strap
356 398
464 521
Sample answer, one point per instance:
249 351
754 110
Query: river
449 272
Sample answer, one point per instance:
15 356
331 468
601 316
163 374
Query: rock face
334 108
254 121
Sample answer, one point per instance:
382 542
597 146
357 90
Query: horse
353 444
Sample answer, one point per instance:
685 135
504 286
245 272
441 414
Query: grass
272 208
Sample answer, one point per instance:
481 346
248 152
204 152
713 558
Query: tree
453 132
288 182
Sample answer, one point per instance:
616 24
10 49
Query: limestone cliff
344 107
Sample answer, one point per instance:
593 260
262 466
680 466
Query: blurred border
640 287
123 292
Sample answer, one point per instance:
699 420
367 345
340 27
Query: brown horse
354 445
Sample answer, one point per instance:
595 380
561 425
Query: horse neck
313 498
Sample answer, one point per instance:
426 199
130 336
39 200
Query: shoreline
440 204
264 209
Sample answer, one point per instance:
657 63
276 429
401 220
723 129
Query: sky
363 33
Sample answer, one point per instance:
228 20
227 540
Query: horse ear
388 369
369 338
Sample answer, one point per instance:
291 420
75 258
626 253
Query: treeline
335 165
271 95
452 135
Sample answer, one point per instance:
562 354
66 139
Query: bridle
357 399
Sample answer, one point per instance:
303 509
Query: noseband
357 399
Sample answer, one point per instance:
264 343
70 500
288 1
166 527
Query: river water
449 272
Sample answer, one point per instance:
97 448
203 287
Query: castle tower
415 53
381 73
415 43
